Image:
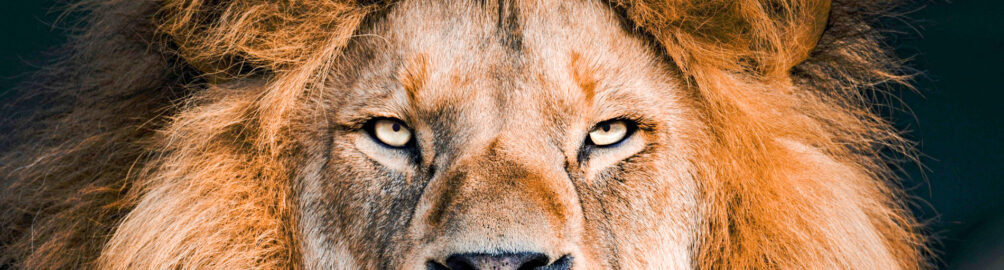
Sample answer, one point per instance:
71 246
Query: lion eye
391 132
609 132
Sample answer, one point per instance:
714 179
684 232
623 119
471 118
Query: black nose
503 261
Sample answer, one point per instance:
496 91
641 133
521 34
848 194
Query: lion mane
165 135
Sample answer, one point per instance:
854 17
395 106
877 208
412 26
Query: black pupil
605 127
396 127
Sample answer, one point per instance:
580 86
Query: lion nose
507 261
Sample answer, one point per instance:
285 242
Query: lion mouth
501 261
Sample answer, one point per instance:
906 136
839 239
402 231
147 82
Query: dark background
955 116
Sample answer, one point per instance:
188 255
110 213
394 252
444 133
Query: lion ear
761 37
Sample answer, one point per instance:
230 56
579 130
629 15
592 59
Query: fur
168 136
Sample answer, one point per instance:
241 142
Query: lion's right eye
390 132
610 132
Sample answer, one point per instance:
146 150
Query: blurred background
956 116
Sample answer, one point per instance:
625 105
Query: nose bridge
500 199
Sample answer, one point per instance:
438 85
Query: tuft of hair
164 139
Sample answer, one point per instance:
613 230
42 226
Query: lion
425 134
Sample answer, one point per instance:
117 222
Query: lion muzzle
495 212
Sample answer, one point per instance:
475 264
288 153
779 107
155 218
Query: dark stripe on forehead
508 25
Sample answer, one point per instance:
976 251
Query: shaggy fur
165 140
741 55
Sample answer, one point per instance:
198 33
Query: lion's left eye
610 132
391 132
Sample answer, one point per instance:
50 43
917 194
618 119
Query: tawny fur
166 144
740 55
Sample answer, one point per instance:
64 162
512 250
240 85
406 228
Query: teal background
956 116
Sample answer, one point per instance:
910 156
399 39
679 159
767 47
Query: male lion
426 134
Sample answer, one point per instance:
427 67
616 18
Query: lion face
485 135
329 134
